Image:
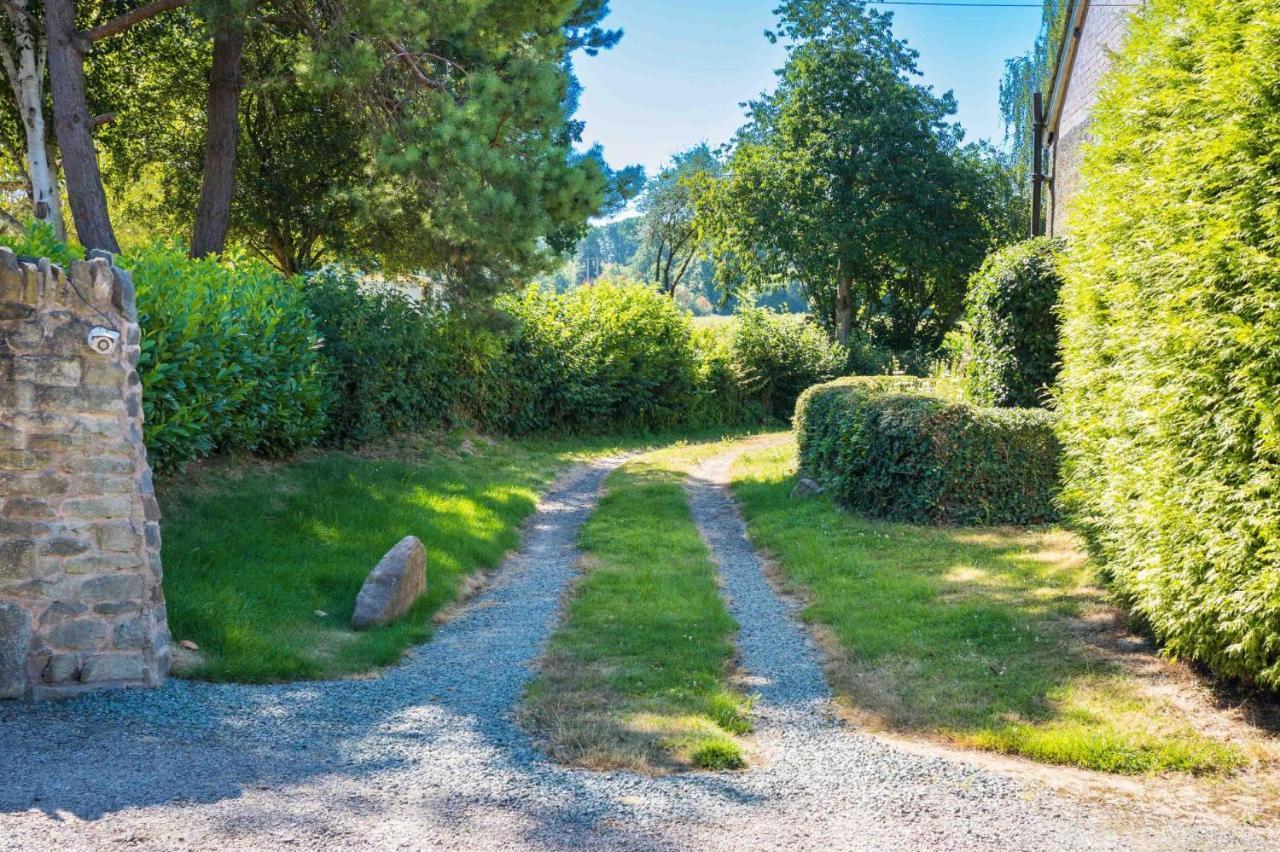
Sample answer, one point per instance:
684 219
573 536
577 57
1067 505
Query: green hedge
230 354
1170 387
780 356
609 354
402 364
235 357
1013 356
230 358
886 447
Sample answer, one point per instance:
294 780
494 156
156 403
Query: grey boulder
393 586
806 488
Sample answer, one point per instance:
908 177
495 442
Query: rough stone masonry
81 605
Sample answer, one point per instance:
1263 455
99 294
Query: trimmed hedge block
1013 360
887 447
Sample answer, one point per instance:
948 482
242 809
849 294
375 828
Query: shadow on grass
441 721
996 638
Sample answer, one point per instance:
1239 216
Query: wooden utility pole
1037 174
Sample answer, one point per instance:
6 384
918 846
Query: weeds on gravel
638 674
998 639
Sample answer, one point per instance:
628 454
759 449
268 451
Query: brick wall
1102 33
81 605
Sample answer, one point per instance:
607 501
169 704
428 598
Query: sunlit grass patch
262 566
638 675
982 637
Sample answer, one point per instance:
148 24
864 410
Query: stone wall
1101 34
81 605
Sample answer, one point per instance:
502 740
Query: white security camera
103 340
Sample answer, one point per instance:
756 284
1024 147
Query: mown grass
263 561
975 636
638 675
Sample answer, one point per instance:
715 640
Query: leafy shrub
1010 311
887 447
402 363
781 355
38 240
1170 386
230 358
608 354
723 394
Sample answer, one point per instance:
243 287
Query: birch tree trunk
24 65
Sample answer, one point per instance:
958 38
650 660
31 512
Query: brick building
1094 30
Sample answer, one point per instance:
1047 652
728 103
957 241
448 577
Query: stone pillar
81 605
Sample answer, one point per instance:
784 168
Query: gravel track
429 756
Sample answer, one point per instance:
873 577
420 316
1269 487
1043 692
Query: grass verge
986 638
263 561
638 675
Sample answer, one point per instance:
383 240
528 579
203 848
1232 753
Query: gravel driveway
428 756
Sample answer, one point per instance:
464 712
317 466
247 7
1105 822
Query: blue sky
683 67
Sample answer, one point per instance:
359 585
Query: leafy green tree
850 179
432 142
668 210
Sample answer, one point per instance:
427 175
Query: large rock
15 638
393 586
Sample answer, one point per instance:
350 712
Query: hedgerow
1013 355
886 447
401 362
1170 387
230 358
607 354
235 357
781 355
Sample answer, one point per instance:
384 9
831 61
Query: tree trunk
74 128
218 183
844 309
667 286
26 78
684 267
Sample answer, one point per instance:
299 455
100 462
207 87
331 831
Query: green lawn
638 673
263 561
970 635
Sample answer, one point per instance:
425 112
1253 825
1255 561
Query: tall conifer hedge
1170 387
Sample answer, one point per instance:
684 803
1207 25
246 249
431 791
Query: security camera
103 340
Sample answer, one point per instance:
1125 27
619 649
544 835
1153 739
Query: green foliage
887 447
668 207
845 177
1013 358
974 636
611 354
403 364
389 131
1171 335
38 240
230 358
779 356
1023 77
